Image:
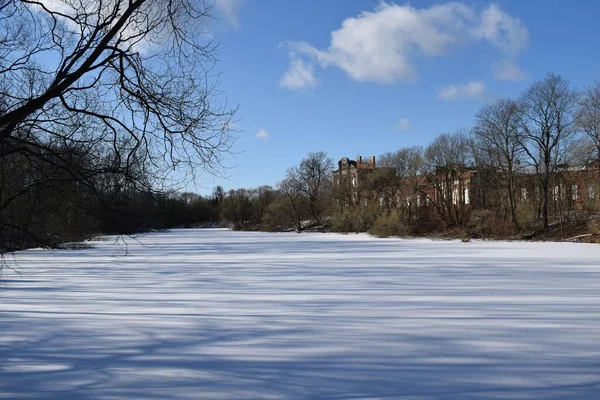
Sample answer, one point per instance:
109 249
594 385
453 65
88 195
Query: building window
574 194
418 200
591 192
466 196
555 193
523 194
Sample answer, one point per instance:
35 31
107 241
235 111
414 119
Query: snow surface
214 314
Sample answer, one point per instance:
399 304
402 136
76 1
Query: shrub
353 220
593 227
486 223
389 225
278 216
427 222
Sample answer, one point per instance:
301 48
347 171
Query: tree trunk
545 205
512 200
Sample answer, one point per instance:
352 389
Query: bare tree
548 108
409 174
113 96
588 117
295 201
262 197
218 194
313 178
237 208
447 157
498 136
128 78
407 161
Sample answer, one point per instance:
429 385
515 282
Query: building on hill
573 188
359 183
350 179
450 193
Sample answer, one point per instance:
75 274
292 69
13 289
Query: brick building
359 183
350 178
452 191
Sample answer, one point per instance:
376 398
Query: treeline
51 193
301 200
95 134
527 164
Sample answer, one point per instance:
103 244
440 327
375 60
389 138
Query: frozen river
214 314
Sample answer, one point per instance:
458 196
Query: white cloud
507 71
230 9
471 90
299 75
503 31
380 46
403 125
262 134
385 45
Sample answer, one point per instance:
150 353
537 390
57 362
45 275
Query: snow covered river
214 314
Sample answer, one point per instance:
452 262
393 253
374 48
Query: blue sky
365 77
